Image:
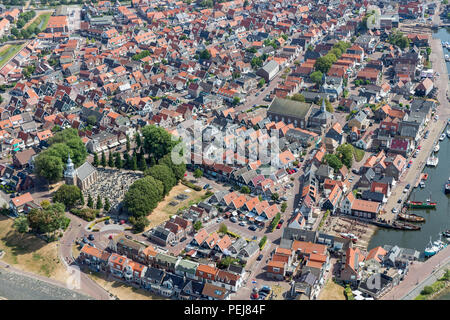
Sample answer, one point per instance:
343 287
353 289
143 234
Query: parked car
394 210
206 186
91 237
233 219
266 289
259 257
254 237
242 224
128 237
253 228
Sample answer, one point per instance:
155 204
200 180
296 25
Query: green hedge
263 242
87 214
191 185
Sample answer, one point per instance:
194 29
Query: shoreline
438 295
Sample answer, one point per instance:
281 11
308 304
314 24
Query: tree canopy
157 141
48 219
164 174
143 196
69 195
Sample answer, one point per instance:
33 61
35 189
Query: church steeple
323 108
70 173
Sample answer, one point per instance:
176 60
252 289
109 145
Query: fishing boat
421 205
349 236
411 217
432 161
436 148
405 226
434 247
442 137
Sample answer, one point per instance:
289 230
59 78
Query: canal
437 220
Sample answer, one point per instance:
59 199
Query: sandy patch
29 253
164 210
332 291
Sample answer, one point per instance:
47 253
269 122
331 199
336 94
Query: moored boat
446 234
411 217
447 188
436 148
442 137
434 247
432 161
421 205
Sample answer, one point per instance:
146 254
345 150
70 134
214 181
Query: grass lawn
164 210
29 253
122 290
6 54
358 154
332 291
37 21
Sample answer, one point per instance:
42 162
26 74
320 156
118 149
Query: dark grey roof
372 196
289 107
154 274
85 170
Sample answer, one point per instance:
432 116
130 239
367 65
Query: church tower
70 174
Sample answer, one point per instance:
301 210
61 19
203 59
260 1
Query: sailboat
434 247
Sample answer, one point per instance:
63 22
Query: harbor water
437 220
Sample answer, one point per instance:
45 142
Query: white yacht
447 58
436 148
442 137
432 161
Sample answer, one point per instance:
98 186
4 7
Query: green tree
345 154
143 196
107 205
128 144
69 195
316 77
21 224
245 190
157 141
71 139
261 83
177 169
90 202
198 173
139 223
198 225
333 161
103 160
137 139
283 207
205 55
49 219
164 174
236 101
99 204
134 165
92 120
298 97
118 163
223 229
95 162
49 167
110 160
275 196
